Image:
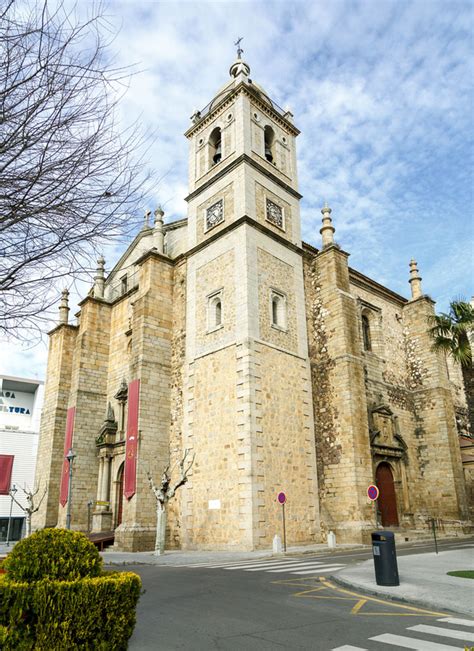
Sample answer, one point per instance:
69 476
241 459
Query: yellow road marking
382 601
358 606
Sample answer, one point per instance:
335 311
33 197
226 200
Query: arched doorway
118 519
387 502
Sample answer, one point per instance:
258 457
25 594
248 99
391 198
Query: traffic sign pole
281 497
284 526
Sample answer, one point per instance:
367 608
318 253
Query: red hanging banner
6 465
131 445
63 494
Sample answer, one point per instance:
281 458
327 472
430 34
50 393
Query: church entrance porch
387 502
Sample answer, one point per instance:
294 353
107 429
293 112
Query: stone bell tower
247 397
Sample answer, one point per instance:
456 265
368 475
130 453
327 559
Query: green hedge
88 613
57 554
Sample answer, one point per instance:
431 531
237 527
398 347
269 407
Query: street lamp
12 492
70 458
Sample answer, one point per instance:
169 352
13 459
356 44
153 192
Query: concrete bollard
331 540
277 547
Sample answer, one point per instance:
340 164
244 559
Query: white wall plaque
214 504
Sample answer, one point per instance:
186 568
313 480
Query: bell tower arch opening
269 136
215 146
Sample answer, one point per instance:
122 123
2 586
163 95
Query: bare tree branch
69 176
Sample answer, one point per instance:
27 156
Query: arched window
269 144
218 312
278 310
366 332
214 311
215 146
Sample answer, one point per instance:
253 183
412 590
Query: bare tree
70 178
30 507
163 493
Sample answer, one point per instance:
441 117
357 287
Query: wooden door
119 496
387 502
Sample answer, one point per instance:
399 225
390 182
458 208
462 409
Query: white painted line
348 647
455 620
303 566
411 643
275 568
260 565
465 636
321 570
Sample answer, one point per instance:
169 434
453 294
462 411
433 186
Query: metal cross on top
239 49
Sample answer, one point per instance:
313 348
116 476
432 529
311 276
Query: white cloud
382 93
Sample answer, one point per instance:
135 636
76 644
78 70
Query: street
288 603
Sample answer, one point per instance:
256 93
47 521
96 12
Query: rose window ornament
215 214
274 214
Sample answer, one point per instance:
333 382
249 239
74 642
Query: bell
268 154
218 155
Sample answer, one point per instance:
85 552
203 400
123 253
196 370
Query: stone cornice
242 220
153 253
252 92
60 326
243 158
358 279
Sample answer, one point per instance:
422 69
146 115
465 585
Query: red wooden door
120 496
387 502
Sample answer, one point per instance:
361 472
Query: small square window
274 214
215 214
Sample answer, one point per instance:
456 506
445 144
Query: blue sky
381 91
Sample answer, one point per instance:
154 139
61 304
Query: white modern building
21 401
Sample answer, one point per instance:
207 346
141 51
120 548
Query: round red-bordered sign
281 498
372 492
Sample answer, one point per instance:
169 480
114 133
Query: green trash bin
385 558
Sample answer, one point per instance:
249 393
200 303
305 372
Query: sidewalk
179 557
423 580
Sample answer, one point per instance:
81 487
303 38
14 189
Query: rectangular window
123 285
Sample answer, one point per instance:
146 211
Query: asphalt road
286 604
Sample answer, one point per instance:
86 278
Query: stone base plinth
134 538
101 521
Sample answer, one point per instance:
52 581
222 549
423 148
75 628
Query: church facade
279 367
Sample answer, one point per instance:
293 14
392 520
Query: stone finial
196 116
99 280
158 233
64 306
288 115
327 231
415 280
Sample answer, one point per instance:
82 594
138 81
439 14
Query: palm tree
450 332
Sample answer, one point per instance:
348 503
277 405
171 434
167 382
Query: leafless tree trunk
163 493
69 177
30 508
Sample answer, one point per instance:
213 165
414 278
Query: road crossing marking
418 643
412 643
456 620
315 565
443 632
322 570
257 566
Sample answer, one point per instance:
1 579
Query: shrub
54 554
88 613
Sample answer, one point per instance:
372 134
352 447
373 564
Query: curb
346 583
